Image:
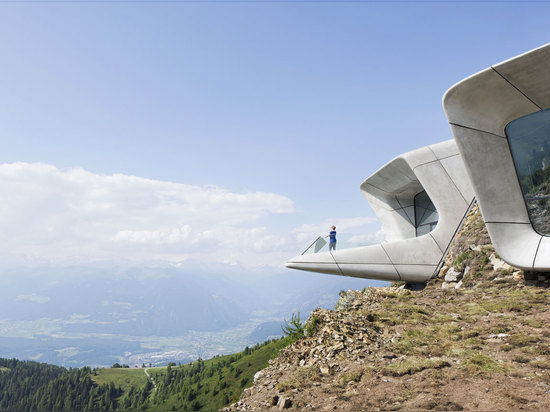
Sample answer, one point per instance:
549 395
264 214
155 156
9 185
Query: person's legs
332 246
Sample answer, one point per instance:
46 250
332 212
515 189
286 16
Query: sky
185 133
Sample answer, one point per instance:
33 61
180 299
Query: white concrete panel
370 271
493 175
444 149
419 157
416 273
378 198
421 250
515 243
530 73
392 177
542 260
374 254
485 102
395 225
454 166
328 268
445 229
440 188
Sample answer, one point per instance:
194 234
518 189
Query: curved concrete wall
478 109
437 169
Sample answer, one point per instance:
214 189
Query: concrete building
500 119
501 124
420 197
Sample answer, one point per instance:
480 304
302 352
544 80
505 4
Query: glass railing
316 246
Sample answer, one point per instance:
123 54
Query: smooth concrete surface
442 151
458 175
486 102
370 271
390 192
542 258
422 250
478 109
415 273
529 73
516 244
493 175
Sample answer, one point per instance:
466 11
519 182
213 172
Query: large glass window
529 139
425 215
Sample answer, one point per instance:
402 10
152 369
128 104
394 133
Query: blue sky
247 126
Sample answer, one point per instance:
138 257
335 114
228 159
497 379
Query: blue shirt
332 236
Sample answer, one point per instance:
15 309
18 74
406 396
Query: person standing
332 241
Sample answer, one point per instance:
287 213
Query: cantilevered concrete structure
501 124
500 118
420 197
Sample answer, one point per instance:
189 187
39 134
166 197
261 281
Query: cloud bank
74 216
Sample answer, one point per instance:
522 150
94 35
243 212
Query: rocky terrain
476 338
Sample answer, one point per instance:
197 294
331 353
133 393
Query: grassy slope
218 385
123 377
230 380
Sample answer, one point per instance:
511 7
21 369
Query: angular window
425 215
529 140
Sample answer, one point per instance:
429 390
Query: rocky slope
476 338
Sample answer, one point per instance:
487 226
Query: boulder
453 275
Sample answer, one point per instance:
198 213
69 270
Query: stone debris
499 264
346 333
453 275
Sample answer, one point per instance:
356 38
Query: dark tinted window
529 139
425 215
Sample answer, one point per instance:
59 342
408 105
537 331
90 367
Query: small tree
293 328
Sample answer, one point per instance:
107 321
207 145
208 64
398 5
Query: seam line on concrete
336 263
435 241
515 87
386 252
477 130
536 253
454 184
376 187
448 175
436 160
345 263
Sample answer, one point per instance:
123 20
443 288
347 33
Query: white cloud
75 216
61 217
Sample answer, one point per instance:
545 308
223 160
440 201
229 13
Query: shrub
293 328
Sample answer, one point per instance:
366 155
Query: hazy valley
81 316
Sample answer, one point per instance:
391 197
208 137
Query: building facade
500 156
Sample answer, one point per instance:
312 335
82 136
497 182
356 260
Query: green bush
293 328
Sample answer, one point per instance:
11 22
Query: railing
316 246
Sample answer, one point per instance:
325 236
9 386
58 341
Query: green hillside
31 386
201 385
